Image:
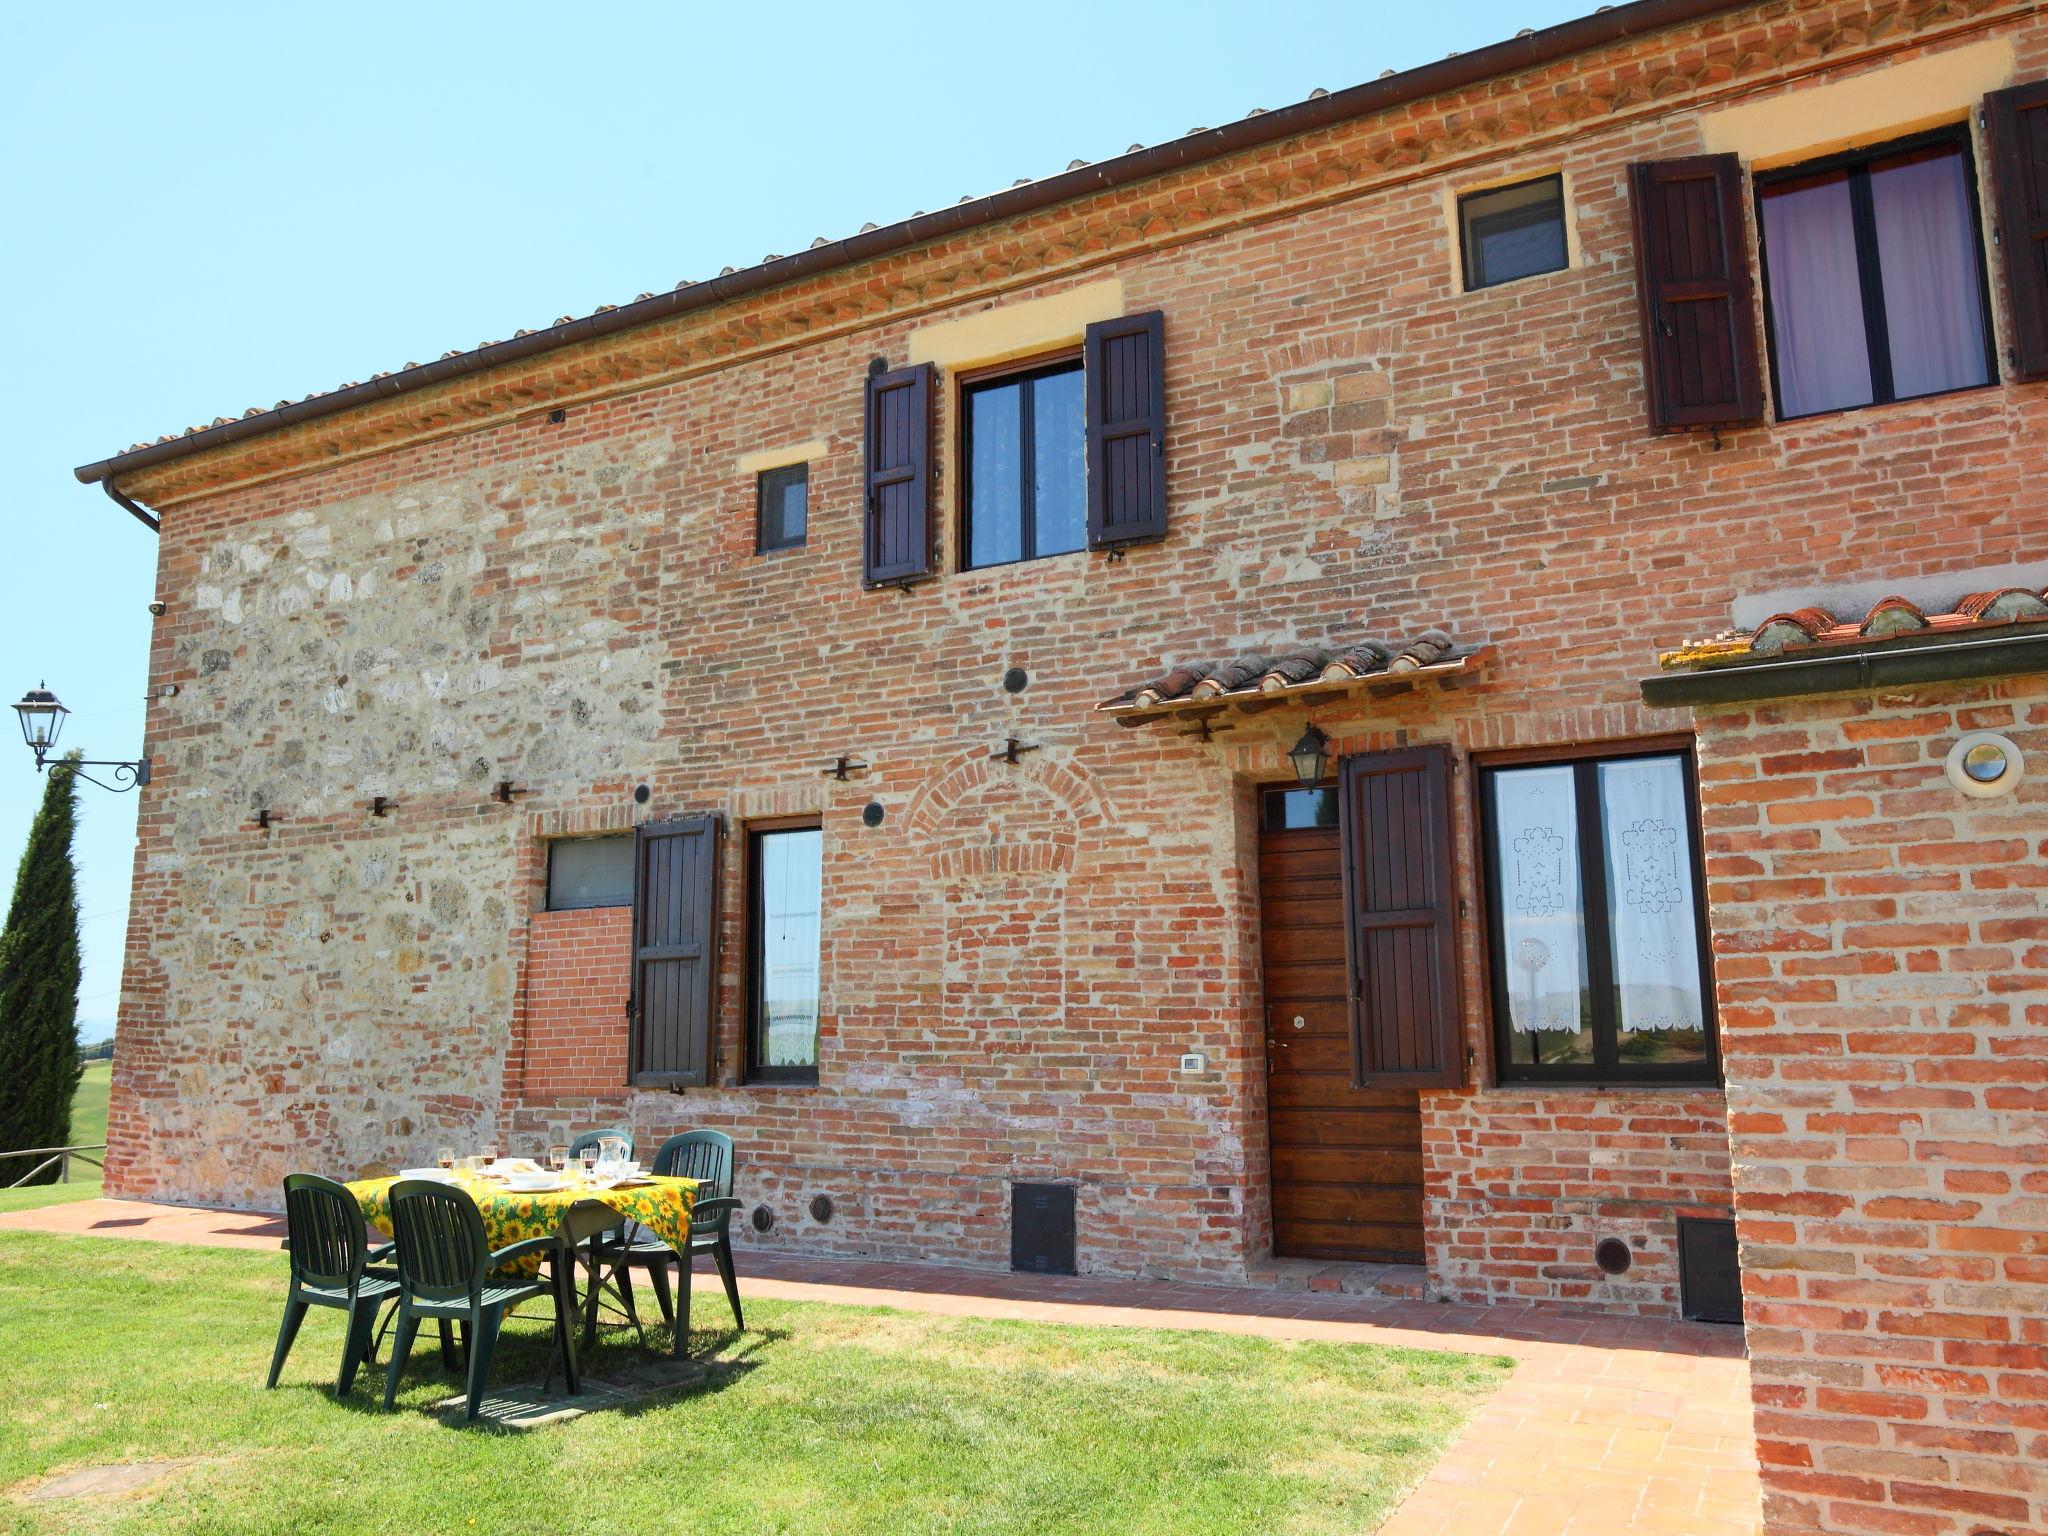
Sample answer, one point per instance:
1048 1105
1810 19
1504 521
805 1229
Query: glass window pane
995 475
785 499
1932 279
590 872
789 868
1541 948
1059 470
1653 920
1821 353
1292 810
1512 232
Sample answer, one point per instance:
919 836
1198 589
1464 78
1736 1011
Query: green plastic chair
708 1157
330 1254
589 1139
445 1272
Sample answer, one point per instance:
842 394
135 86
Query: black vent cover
1042 1228
1709 1273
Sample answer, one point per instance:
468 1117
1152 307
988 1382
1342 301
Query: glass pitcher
612 1154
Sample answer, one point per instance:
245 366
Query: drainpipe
134 509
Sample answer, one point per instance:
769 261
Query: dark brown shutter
675 950
898 542
1126 369
2018 124
1698 307
1407 1027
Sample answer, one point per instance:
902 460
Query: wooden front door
1347 1161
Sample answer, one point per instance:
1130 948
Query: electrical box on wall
1194 1061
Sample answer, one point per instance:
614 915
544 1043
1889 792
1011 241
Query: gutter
1605 27
1860 669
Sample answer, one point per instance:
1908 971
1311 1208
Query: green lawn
825 1419
88 1125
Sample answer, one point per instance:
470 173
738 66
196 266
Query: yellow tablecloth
660 1205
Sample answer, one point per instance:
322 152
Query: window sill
777 1084
1715 1086
1845 412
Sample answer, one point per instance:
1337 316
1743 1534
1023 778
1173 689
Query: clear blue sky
213 206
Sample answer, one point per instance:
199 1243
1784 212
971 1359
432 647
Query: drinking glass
444 1158
490 1155
558 1155
588 1158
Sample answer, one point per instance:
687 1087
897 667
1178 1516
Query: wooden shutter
898 542
1407 1028
1126 368
675 950
1698 307
2018 124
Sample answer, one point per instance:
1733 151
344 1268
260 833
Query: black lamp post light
42 721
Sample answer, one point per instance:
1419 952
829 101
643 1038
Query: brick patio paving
1608 1424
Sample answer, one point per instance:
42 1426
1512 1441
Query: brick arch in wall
1003 842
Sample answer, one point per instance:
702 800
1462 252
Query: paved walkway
1607 1425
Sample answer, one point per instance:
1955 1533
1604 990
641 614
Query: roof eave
1530 51
1860 669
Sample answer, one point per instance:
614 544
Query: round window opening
1983 764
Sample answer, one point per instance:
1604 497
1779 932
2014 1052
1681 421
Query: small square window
1512 232
782 508
590 872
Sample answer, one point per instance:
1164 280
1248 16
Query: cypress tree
39 1065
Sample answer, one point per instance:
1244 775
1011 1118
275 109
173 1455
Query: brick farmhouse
1448 676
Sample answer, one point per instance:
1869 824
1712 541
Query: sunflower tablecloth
662 1205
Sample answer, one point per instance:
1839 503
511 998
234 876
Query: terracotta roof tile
1318 669
1890 621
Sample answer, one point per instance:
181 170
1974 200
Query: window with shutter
1125 361
675 951
897 547
2018 122
1399 892
1698 309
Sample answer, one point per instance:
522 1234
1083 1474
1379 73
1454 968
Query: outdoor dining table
580 1210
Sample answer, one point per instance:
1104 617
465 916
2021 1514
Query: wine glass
444 1158
558 1155
588 1158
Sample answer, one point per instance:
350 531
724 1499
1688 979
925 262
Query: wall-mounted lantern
1309 755
42 721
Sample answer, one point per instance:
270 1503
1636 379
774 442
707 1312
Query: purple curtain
1927 255
1817 332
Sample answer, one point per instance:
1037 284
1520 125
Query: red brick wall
465 593
577 970
1883 960
1523 1183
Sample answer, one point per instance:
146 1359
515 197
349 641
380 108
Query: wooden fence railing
61 1156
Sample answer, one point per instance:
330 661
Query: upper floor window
590 872
781 507
1595 925
1023 445
1511 232
1874 277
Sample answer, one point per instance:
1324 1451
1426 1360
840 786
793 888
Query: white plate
438 1175
535 1183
